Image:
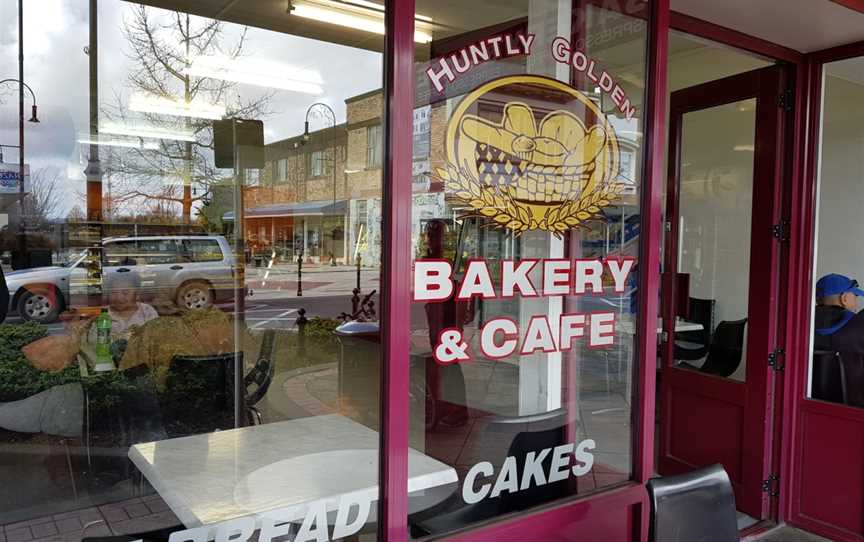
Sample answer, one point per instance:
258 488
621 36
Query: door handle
123 270
176 267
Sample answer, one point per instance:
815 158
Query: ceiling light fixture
144 103
149 132
357 14
258 73
126 143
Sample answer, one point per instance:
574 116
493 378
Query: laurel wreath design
505 211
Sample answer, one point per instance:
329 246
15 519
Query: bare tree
161 48
41 203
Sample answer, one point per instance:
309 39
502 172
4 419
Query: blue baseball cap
835 284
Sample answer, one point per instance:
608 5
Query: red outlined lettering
570 326
602 330
538 337
476 282
556 277
432 280
620 269
510 332
587 272
514 276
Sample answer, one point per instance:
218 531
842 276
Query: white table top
680 326
210 478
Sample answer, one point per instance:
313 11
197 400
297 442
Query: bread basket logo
526 165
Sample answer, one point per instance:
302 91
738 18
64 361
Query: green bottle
103 342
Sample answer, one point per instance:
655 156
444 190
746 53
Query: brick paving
125 517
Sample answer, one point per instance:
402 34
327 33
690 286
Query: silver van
190 272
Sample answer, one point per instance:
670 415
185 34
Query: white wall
841 186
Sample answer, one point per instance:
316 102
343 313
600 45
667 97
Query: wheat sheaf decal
552 175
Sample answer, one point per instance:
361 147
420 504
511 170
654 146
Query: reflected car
188 272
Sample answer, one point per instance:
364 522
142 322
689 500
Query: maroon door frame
751 401
817 499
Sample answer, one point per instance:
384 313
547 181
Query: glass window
836 372
317 160
374 146
211 364
525 253
203 250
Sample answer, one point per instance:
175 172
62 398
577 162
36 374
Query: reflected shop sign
10 178
530 154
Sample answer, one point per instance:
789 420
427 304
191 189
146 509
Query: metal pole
333 150
93 172
22 248
239 281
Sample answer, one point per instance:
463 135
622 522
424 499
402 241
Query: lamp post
309 110
33 118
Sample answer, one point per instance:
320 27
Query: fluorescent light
146 145
163 106
744 148
251 72
380 7
370 21
150 132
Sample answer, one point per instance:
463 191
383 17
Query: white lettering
538 337
236 530
588 272
584 458
534 469
556 277
432 280
560 461
435 77
527 42
468 494
602 329
476 282
619 270
515 276
572 327
343 528
314 526
487 338
508 478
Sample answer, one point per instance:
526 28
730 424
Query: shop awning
285 210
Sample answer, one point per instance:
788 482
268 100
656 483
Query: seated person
123 306
838 325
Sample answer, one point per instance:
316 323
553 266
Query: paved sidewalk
125 517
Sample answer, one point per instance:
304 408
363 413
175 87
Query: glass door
719 300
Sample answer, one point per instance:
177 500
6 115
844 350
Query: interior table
215 477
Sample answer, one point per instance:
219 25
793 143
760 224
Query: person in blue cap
839 325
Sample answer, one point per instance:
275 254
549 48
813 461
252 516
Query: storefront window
837 372
526 234
190 346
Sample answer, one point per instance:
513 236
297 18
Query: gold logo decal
527 166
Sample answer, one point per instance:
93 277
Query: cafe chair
694 345
727 347
532 433
199 395
697 505
258 380
852 372
827 384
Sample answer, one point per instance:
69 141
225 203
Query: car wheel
40 305
195 295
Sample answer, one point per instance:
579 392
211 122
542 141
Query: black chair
258 380
852 371
693 345
530 434
199 395
827 384
691 507
727 347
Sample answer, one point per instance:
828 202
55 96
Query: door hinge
771 486
775 360
786 100
780 231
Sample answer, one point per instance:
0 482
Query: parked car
193 272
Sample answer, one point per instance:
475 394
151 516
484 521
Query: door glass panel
714 217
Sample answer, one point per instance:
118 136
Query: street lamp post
325 107
33 118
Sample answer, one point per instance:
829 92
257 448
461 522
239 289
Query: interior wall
841 198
